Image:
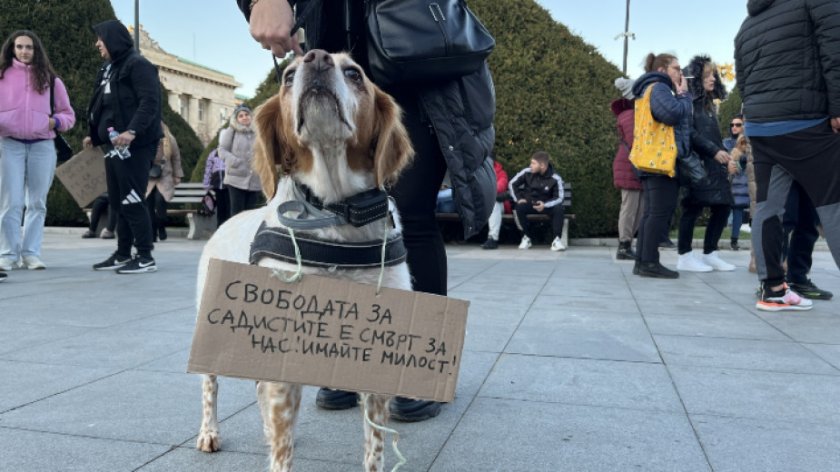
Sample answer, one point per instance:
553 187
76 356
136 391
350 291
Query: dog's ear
271 148
393 150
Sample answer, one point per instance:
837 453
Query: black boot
625 252
733 244
657 270
410 411
329 399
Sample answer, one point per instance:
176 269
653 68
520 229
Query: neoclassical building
203 96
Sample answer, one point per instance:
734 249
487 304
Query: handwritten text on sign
327 332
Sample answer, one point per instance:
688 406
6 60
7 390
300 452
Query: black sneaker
162 233
808 290
657 270
329 399
2 276
410 411
116 261
139 265
734 245
490 244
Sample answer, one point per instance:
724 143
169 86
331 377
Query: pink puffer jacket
24 113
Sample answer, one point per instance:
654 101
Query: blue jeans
26 173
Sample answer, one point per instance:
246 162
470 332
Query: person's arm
144 81
270 23
63 117
516 182
175 159
666 107
557 194
825 16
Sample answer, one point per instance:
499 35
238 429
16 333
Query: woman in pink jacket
27 152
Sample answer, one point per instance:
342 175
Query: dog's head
331 128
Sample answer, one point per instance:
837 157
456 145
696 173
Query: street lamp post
627 35
137 27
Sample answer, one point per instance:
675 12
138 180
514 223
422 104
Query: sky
214 32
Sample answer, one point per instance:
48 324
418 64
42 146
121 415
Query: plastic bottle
120 151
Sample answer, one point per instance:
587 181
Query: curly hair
42 70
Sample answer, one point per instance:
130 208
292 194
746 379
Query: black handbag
422 40
63 151
208 204
692 170
155 171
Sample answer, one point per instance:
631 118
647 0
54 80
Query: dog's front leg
376 407
279 405
208 435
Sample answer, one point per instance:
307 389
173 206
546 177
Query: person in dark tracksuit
538 189
126 98
792 112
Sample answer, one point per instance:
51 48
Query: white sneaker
557 245
33 263
689 263
713 259
526 243
8 263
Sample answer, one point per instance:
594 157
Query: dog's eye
353 74
289 78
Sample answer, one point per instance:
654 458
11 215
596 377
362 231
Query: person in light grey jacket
236 148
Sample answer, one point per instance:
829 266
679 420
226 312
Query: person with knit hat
624 177
236 148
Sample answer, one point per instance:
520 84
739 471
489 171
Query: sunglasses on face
736 125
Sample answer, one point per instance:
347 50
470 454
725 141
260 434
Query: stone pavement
570 364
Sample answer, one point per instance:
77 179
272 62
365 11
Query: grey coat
236 148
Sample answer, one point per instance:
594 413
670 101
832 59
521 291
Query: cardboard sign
83 175
327 332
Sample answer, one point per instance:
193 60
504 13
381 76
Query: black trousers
801 234
222 205
810 157
100 206
156 205
660 195
416 196
558 214
714 229
242 200
127 180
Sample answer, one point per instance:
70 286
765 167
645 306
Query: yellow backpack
654 147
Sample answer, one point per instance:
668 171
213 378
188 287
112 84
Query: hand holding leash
271 25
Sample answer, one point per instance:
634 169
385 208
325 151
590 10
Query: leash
310 6
395 438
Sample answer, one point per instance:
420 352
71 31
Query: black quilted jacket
461 112
787 60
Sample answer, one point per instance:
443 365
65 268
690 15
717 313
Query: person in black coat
786 56
451 128
126 98
715 190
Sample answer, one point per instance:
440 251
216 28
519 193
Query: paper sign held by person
327 332
83 175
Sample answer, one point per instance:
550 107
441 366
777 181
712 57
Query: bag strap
52 96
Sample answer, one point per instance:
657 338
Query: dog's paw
208 441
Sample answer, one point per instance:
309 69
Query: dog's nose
320 59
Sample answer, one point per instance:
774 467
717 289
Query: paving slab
570 363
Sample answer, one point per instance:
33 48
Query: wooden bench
508 218
185 202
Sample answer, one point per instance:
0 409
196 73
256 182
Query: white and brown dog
332 132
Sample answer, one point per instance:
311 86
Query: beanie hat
626 87
241 107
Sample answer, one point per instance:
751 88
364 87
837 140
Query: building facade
204 97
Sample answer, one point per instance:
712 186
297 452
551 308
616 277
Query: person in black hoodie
714 191
126 98
450 124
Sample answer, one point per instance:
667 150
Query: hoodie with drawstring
127 90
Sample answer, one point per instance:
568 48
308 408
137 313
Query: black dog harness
276 243
357 210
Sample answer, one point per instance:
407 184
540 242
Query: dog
331 131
